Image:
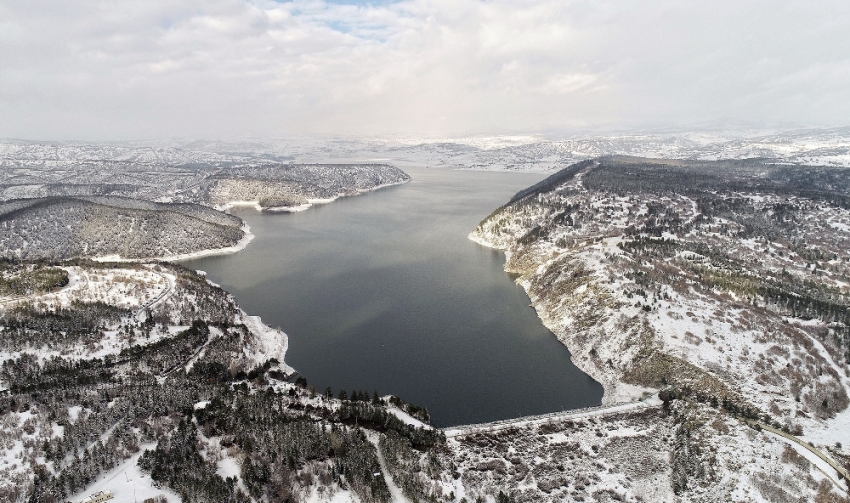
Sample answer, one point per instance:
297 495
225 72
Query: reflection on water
384 292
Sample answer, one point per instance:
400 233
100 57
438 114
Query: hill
726 277
168 174
64 227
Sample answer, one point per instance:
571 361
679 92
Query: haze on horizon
235 68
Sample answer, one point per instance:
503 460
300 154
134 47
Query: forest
63 227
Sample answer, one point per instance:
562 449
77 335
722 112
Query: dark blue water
384 292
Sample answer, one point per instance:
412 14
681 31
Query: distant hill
280 185
65 227
208 180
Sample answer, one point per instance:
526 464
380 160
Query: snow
266 344
718 331
344 497
840 226
239 246
128 483
814 459
215 332
228 467
246 229
162 295
406 418
831 431
237 204
329 495
525 422
396 494
698 327
12 455
291 209
132 289
301 207
127 288
74 413
686 324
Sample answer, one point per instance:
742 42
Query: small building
98 497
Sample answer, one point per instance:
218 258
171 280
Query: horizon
722 132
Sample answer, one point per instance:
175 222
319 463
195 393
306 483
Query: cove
384 292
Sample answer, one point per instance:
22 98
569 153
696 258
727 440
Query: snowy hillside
66 200
65 227
290 186
537 153
830 147
94 365
685 452
180 174
711 300
143 169
728 280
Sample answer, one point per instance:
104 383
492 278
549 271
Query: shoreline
248 236
613 392
239 246
304 206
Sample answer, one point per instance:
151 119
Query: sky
115 69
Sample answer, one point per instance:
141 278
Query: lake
384 292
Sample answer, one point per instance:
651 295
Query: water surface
384 292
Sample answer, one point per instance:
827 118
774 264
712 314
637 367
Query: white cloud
563 84
219 68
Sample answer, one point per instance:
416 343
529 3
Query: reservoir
384 292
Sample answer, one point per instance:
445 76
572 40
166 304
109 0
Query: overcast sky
235 68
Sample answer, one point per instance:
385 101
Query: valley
707 298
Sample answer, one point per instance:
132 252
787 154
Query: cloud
220 68
563 84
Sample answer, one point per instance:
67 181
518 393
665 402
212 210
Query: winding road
842 473
163 294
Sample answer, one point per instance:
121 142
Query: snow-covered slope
146 324
180 173
65 227
730 280
686 452
134 168
63 200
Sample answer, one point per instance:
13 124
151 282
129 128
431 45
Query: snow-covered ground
541 153
135 290
633 317
692 453
310 202
128 483
268 343
171 159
